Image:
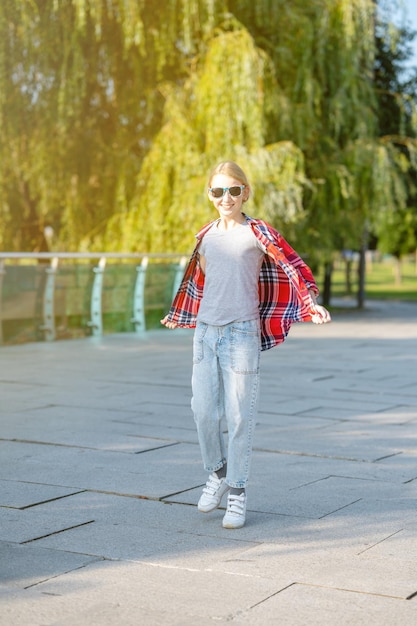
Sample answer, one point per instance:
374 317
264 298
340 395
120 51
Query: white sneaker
212 494
236 511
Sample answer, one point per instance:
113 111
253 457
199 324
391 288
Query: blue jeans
225 383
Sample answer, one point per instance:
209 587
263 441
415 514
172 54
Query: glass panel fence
64 298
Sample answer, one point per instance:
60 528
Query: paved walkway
100 474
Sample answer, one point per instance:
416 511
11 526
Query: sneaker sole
233 526
213 508
208 510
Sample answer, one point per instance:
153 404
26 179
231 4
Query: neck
228 224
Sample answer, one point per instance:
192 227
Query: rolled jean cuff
216 467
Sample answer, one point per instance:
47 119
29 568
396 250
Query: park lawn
381 282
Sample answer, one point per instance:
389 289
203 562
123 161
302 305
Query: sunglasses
219 192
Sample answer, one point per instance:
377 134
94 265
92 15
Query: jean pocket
198 342
245 347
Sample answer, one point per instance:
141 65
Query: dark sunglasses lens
217 192
235 191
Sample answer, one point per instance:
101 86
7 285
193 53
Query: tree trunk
362 269
397 271
327 284
348 275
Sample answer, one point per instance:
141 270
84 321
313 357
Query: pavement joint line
412 596
136 496
388 456
272 595
278 514
409 481
57 532
363 478
381 392
319 480
34 442
161 447
78 447
346 590
311 482
198 570
31 506
397 532
75 569
100 491
174 443
143 383
23 383
176 493
321 456
340 508
31 482
191 430
394 407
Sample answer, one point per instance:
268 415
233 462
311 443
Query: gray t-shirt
233 262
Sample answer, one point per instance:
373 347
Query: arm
322 315
197 264
202 261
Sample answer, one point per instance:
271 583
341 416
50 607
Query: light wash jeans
225 383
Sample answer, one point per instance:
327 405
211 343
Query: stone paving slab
116 590
343 441
100 472
159 472
26 566
19 495
318 605
72 426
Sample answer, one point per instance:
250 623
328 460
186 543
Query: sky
410 7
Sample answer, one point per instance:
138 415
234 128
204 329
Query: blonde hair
232 169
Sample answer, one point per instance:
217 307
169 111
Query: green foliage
396 222
113 113
203 125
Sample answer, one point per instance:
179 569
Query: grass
382 282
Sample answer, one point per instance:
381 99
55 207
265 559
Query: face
228 205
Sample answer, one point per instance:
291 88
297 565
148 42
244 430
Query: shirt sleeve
297 262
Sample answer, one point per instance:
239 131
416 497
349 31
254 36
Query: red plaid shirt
284 281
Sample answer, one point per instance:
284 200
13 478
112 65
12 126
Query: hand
320 315
170 325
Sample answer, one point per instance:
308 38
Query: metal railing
50 262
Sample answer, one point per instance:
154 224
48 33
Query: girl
243 288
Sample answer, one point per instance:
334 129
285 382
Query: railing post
96 306
48 309
179 272
139 297
2 273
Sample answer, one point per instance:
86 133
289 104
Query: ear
246 194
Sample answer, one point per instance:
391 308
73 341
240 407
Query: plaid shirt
284 281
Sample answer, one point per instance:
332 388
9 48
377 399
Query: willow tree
216 115
287 90
324 55
114 111
396 86
81 99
